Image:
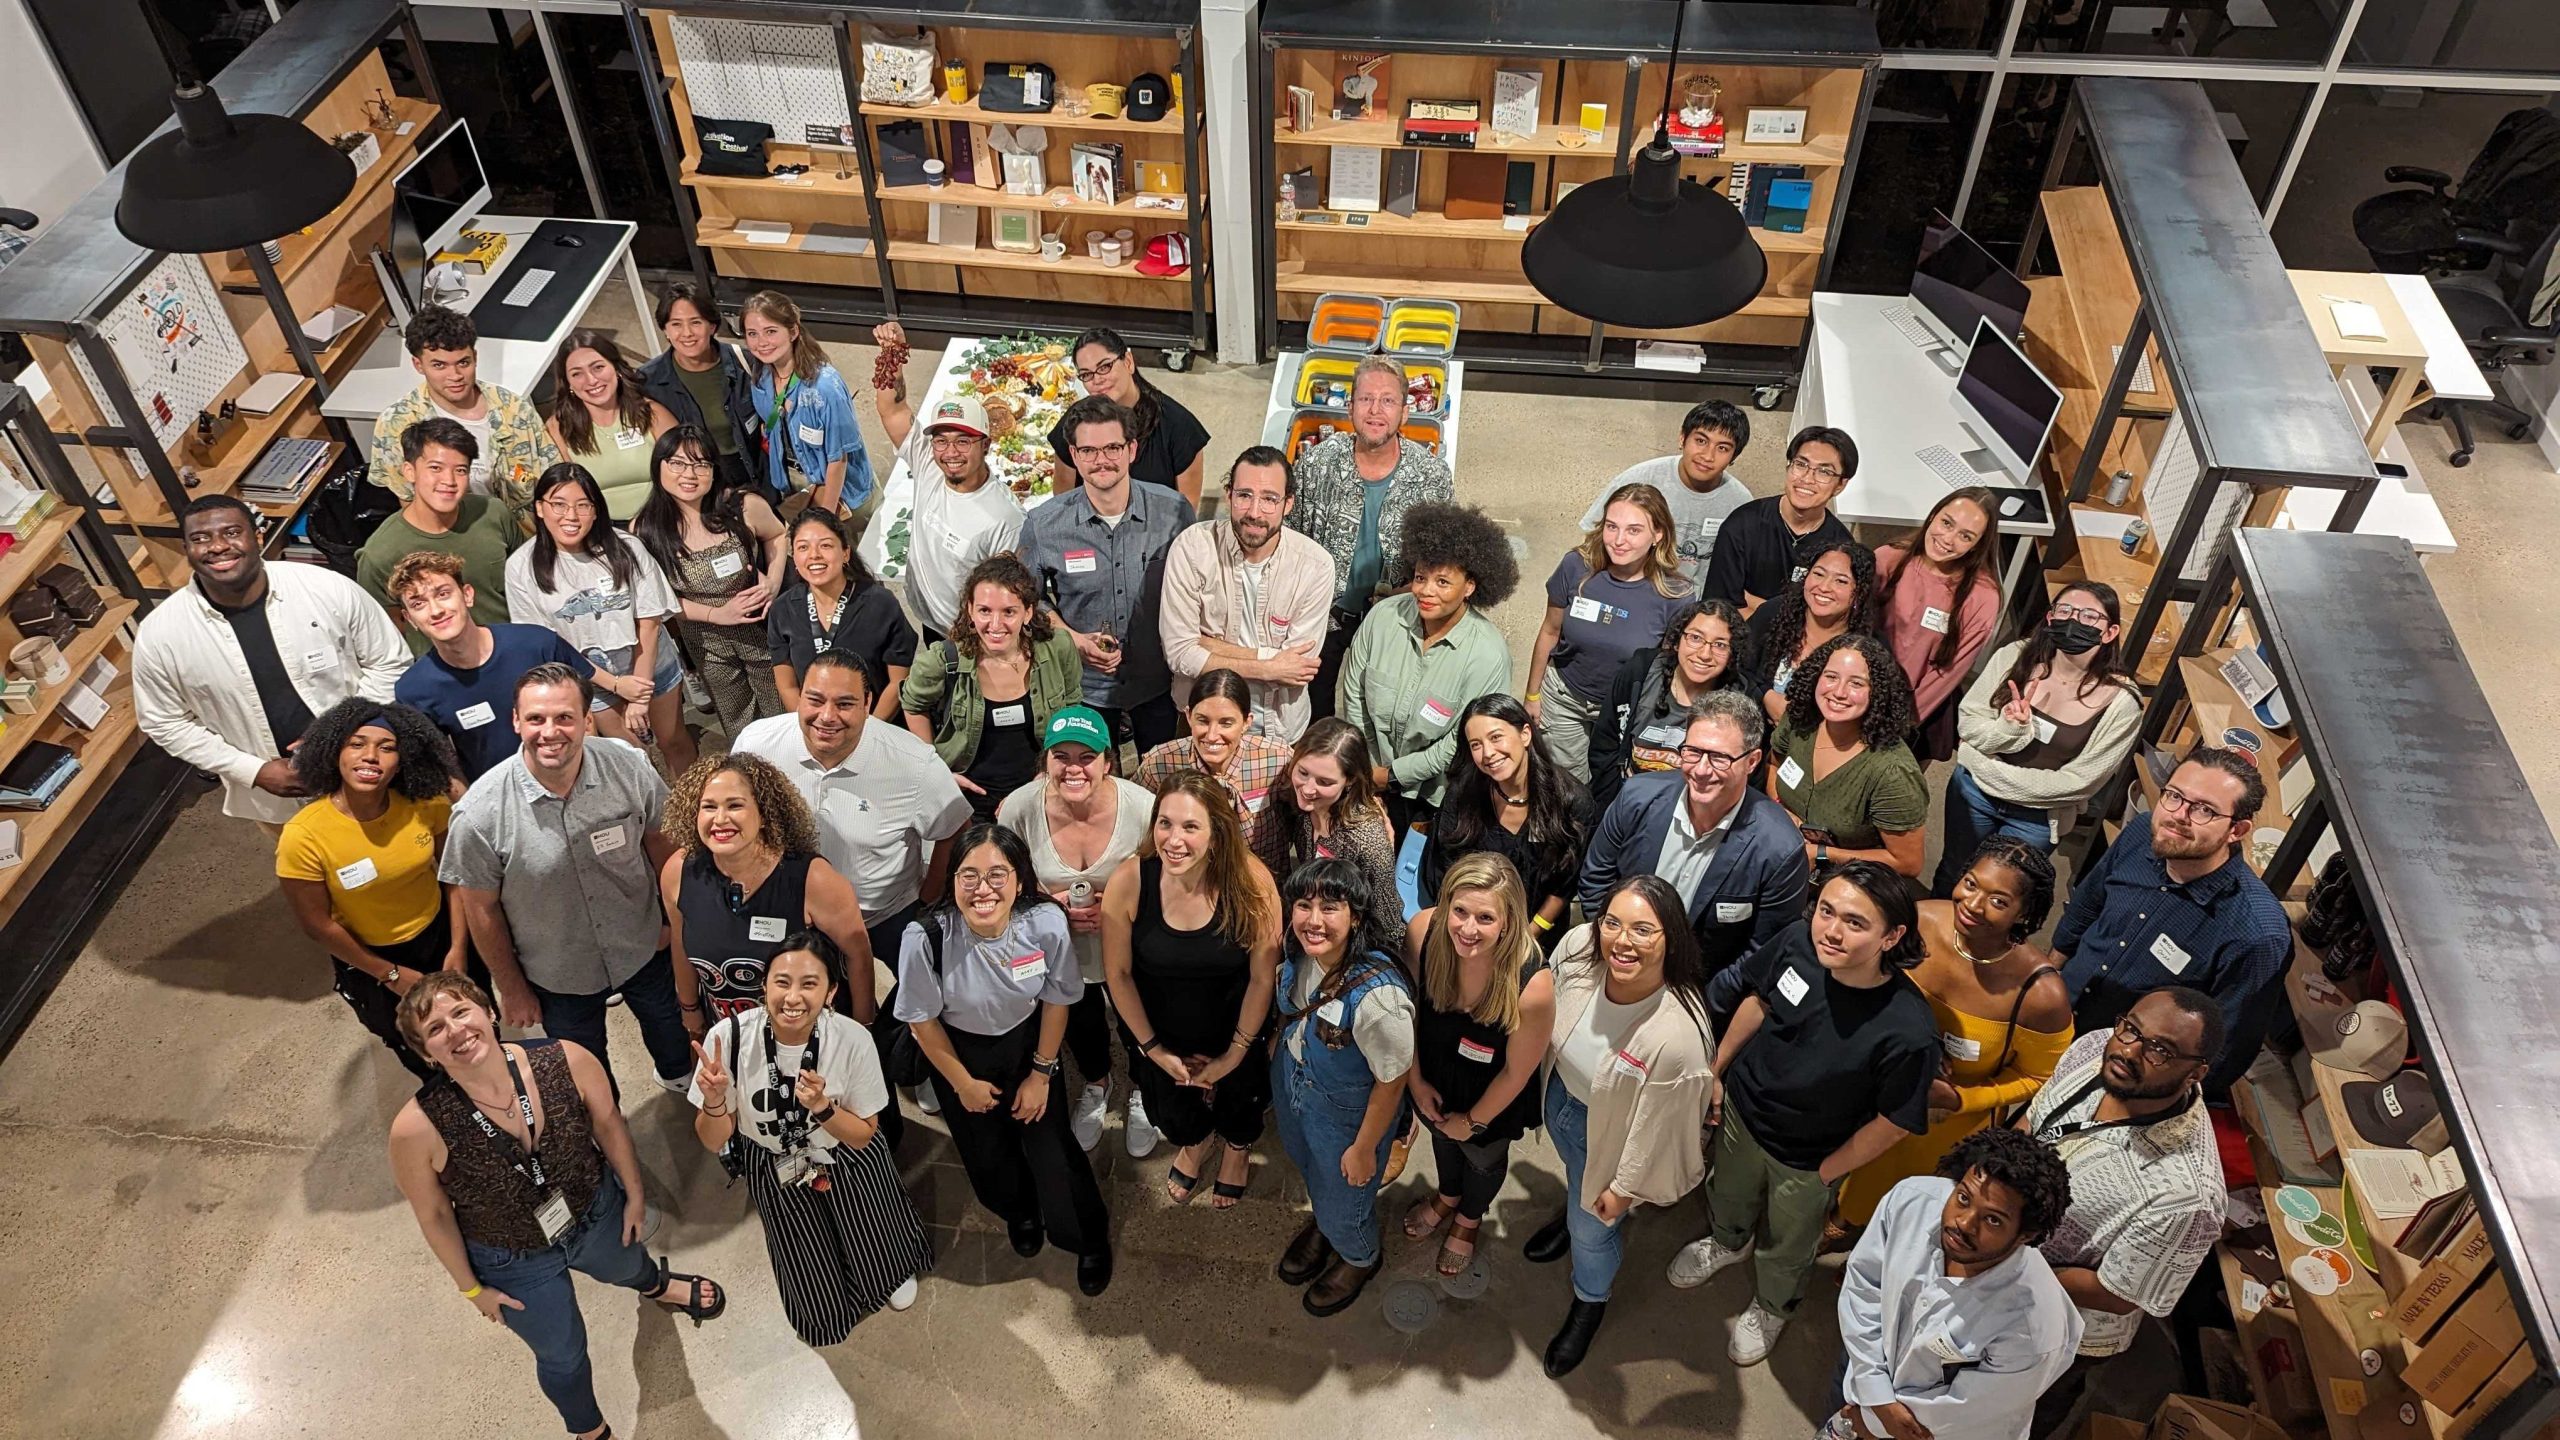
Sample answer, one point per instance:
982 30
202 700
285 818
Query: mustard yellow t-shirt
381 876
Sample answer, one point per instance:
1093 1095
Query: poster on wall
175 344
784 75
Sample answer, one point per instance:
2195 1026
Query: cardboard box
2270 1346
2442 1281
2469 1347
2107 1427
2509 1379
2192 1417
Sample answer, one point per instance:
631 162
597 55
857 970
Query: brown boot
1338 1286
1305 1256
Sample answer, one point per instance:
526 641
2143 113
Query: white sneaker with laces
904 1295
1701 1260
1140 1133
925 1101
1754 1331
1086 1119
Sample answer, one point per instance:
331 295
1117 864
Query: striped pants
837 1252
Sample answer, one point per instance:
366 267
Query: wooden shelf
1387 134
1811 241
2099 291
1058 200
970 114
102 752
84 647
818 181
721 237
398 150
237 451
34 551
914 252
1302 277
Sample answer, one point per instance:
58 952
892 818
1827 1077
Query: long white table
898 487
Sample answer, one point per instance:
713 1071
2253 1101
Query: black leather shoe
1550 1244
1340 1284
1027 1237
1093 1272
1305 1256
1573 1340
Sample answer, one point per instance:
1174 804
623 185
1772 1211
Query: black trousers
377 1009
1471 1172
1089 1036
650 995
1337 643
1025 1173
886 938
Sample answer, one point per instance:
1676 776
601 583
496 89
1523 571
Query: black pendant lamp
1650 249
228 182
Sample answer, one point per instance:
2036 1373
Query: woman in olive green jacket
983 697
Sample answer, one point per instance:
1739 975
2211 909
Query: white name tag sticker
1026 966
356 876
2043 728
1960 1047
1470 1050
1436 713
472 717
1330 1012
1946 1349
1014 714
1254 800
764 929
1793 986
607 840
1080 562
1627 1065
1730 911
1790 774
629 439
315 661
1934 620
553 1216
727 564
812 435
2170 956
1584 608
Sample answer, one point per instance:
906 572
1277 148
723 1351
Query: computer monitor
441 191
2007 403
1957 283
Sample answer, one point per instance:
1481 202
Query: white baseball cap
958 412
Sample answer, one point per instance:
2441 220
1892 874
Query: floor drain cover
1467 1284
1411 1306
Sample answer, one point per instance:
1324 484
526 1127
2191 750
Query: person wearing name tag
466 682
2174 902
745 873
1244 592
1629 1090
1327 808
789 1092
1638 730
1165 440
604 420
598 588
1937 602
1422 656
444 514
519 1169
1841 766
2045 727
2004 1017
721 548
1826 1064
1341 1048
984 983
1222 746
834 602
982 697
358 865
1607 599
1756 554
1484 1005
509 445
962 514
702 380
1508 796
1832 596
813 438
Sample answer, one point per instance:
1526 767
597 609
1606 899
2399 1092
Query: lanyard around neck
781 399
530 1167
787 1110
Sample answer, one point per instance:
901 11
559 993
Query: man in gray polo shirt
556 853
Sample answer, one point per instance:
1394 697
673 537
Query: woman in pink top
1937 602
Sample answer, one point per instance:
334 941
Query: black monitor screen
2001 387
1959 283
428 196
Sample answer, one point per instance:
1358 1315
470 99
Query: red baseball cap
1166 255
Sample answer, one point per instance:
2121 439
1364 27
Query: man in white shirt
1951 1323
961 516
1249 594
230 668
1694 483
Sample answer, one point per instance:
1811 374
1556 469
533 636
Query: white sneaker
1701 1260
676 1084
925 1101
1085 1120
1754 1331
904 1295
1140 1133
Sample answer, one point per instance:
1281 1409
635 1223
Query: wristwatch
1475 1128
393 978
1051 1067
823 1116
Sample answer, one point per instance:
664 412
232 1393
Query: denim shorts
618 661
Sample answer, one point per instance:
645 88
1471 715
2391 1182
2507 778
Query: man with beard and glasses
2174 903
1249 594
2125 1112
1951 1324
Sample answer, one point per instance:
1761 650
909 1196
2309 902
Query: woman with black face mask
2051 717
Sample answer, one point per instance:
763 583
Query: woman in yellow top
358 865
2004 1018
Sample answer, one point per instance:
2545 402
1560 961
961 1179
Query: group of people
1260 798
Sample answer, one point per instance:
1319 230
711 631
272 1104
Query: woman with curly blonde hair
1608 598
746 874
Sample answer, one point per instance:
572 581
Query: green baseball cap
1077 725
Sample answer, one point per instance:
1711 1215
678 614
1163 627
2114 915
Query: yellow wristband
1542 922
471 1294
1532 695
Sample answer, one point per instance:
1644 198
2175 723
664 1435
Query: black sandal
697 1307
1224 1194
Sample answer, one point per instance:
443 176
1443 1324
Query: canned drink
2119 485
1080 894
2133 535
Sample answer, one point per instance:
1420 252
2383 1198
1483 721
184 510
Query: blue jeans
1317 1125
651 994
1598 1246
550 1323
1973 817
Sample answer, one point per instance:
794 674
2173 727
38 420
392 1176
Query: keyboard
288 462
2141 370
521 293
1945 464
1912 327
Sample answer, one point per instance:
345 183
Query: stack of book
284 472
35 779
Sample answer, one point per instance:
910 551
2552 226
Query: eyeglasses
2075 612
953 441
1701 642
1098 374
1802 466
2175 801
569 505
1715 761
1643 932
2154 1049
983 880
1100 452
696 467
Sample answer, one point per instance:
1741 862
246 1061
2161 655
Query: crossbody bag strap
2009 1038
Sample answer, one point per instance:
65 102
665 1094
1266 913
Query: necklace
1978 961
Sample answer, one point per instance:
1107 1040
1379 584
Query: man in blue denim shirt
2172 903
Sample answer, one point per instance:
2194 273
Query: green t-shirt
709 391
1875 792
482 534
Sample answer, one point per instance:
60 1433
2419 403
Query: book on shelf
1403 183
1101 171
1302 109
829 239
1515 103
1755 199
1519 188
1355 178
960 152
1476 184
953 227
1737 182
1790 205
37 777
1359 86
1159 177
986 167
1443 124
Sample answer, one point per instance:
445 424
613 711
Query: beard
2194 847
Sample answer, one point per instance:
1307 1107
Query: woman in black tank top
746 872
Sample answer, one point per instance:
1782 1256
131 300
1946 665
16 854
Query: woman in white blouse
598 588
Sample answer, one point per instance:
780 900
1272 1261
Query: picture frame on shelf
1774 125
1014 230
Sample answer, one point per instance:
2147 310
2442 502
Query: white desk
1283 406
2401 505
385 375
2451 372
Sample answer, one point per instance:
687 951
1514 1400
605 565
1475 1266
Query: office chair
2514 179
2496 309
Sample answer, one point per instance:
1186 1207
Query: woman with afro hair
358 865
1838 760
1420 657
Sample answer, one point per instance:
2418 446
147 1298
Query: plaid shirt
1258 765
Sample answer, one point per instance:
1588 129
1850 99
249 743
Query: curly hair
1724 611
436 328
424 770
2028 1166
1437 534
782 817
2032 866
1005 571
1890 713
1786 629
417 565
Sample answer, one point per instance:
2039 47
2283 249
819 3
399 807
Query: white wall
48 161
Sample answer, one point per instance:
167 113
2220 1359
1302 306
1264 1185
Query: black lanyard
787 1109
531 1166
2049 1131
822 633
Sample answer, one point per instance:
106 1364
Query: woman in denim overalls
1337 1075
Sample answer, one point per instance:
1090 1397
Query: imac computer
440 192
1954 284
2007 404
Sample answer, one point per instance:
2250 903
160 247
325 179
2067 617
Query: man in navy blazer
1734 854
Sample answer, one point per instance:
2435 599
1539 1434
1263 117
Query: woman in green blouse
983 697
1837 760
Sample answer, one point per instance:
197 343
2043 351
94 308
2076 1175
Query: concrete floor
200 1236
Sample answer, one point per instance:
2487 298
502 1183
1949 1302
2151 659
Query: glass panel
1952 25
2340 214
1919 127
595 53
2243 30
2514 36
490 68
